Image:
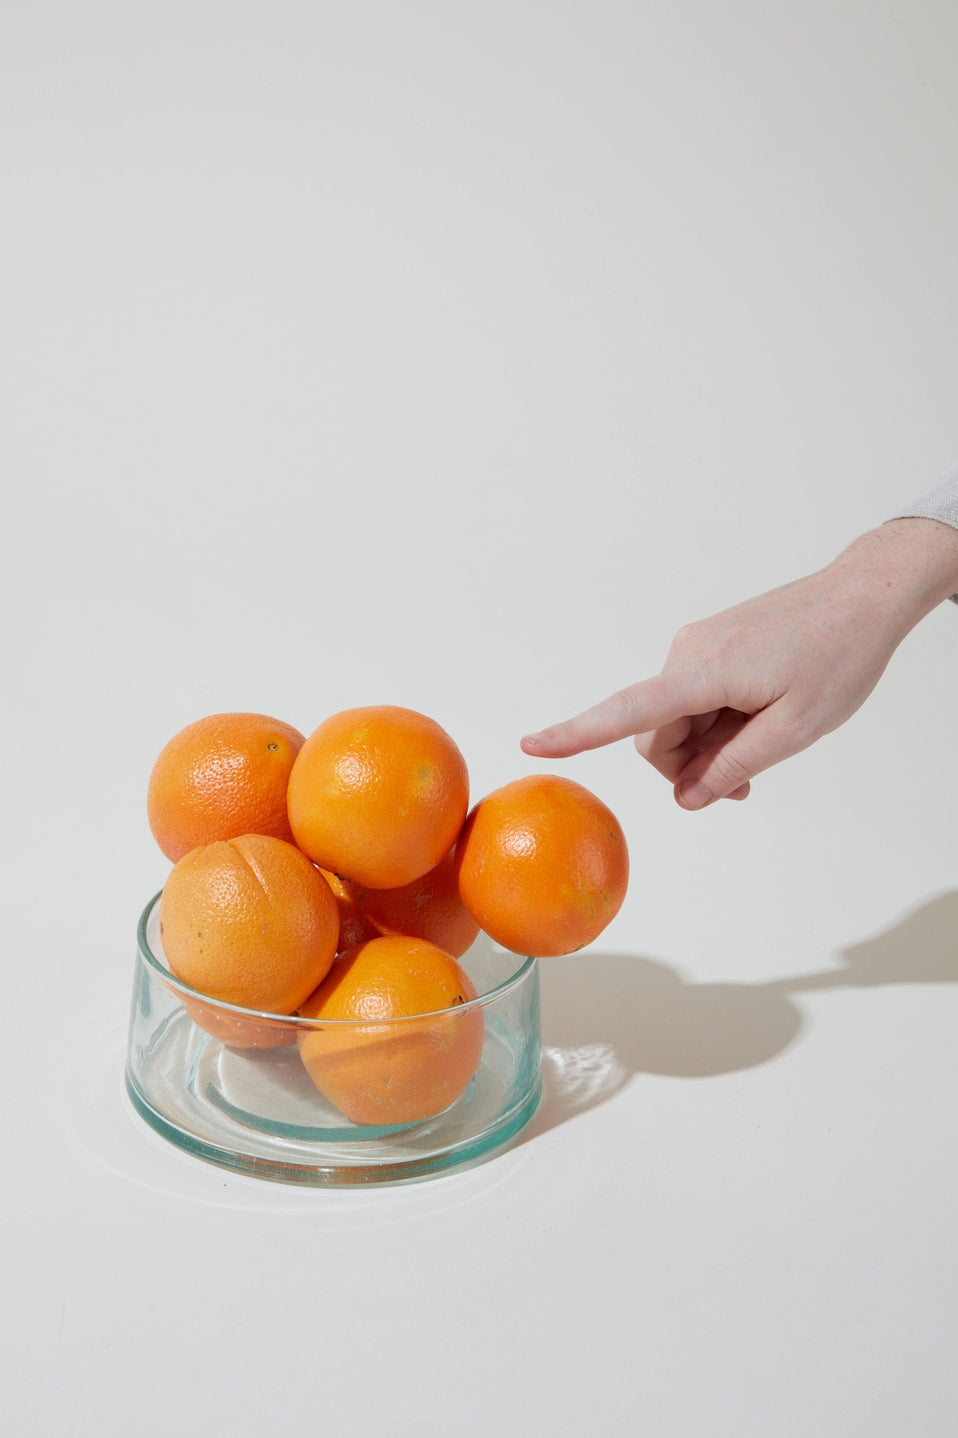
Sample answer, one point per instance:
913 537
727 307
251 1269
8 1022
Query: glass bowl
231 1086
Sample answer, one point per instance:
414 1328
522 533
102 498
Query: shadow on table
606 1017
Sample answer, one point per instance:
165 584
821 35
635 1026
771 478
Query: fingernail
693 795
532 739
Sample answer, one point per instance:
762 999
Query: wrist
908 565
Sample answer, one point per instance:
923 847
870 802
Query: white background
453 356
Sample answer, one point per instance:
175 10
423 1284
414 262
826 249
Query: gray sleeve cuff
940 502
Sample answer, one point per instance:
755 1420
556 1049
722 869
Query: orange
220 777
235 1029
248 921
543 865
381 1072
429 908
378 795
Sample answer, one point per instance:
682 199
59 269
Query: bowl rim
526 965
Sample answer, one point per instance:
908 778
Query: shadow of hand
921 949
606 1017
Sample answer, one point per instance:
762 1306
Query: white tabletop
453 357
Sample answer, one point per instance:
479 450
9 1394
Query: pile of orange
342 876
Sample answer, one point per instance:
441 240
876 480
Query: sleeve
940 502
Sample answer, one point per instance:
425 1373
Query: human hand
759 682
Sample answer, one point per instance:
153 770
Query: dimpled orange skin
542 865
377 1072
429 908
378 795
221 777
251 922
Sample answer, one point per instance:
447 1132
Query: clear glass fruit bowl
231 1085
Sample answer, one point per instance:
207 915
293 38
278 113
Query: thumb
717 773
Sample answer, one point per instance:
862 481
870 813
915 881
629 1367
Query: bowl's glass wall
235 1091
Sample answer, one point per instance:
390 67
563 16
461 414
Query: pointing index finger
635 710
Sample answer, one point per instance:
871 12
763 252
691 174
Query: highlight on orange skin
378 794
542 865
403 1048
248 922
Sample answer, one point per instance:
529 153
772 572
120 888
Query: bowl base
223 1114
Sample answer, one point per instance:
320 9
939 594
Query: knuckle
685 633
683 641
623 702
692 640
728 770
